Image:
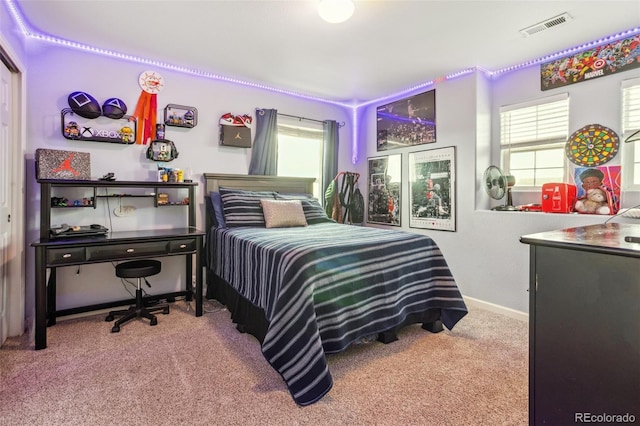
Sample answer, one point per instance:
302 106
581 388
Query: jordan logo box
239 136
63 165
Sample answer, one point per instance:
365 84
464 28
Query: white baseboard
481 304
470 301
104 312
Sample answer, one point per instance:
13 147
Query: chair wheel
115 329
165 311
154 321
109 318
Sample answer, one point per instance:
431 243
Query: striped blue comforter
324 286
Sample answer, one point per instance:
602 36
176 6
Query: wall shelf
180 116
102 129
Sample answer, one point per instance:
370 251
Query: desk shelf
47 185
126 196
51 253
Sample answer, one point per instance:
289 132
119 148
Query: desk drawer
121 251
180 246
65 255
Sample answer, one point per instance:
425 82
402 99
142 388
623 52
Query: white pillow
283 213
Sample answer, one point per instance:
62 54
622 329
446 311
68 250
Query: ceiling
386 47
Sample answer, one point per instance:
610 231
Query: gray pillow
242 208
313 211
216 202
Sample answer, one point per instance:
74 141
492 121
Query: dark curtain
264 154
329 153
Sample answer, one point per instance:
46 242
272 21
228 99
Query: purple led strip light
566 52
18 17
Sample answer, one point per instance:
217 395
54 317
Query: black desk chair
139 269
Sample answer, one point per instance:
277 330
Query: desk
115 246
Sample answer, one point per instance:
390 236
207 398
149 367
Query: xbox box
64 165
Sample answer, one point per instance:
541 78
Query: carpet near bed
317 294
192 370
325 286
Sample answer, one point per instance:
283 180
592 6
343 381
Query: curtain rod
300 118
261 111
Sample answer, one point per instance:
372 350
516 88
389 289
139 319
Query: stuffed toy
595 202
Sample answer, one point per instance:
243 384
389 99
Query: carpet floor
202 371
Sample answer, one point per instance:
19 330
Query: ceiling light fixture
335 11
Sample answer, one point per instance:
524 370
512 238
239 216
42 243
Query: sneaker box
239 136
558 197
64 165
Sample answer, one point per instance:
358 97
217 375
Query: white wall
485 255
9 32
55 72
487 259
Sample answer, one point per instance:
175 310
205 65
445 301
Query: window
300 150
532 140
631 131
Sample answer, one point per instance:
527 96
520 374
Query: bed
315 288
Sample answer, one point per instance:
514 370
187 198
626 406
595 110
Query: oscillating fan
497 185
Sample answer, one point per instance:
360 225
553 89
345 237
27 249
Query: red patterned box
66 165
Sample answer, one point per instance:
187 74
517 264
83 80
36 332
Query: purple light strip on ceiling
413 89
566 52
359 108
19 19
355 131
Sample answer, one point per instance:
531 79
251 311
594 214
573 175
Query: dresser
52 252
584 313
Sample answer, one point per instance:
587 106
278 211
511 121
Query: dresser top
612 238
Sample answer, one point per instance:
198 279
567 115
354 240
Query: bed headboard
291 185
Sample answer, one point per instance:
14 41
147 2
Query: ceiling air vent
545 25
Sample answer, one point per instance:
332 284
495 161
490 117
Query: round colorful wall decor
592 145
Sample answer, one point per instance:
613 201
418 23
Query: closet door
6 176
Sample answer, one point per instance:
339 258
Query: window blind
631 108
548 122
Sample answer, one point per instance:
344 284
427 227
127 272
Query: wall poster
432 189
385 189
606 59
407 122
606 178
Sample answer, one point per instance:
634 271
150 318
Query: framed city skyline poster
432 197
384 189
407 122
